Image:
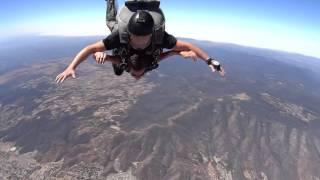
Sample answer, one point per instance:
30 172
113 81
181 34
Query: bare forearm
186 46
199 52
85 52
168 54
80 57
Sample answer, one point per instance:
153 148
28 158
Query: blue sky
289 25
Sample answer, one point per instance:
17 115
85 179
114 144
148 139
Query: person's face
137 74
140 42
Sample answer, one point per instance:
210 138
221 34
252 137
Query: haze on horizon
289 25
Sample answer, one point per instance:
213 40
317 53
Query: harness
125 51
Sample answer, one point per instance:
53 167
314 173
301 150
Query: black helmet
141 23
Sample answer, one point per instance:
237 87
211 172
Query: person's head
137 74
138 65
140 29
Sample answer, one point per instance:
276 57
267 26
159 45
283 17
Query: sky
288 25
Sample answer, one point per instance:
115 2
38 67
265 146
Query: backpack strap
124 52
155 51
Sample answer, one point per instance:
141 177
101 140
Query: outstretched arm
186 46
85 52
80 57
185 54
167 54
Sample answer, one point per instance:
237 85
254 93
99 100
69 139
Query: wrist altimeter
216 64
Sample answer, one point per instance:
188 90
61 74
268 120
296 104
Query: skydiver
140 30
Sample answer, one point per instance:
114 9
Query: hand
100 57
65 74
188 54
221 72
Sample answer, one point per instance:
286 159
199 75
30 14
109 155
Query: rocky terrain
179 122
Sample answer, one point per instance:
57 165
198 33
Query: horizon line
191 38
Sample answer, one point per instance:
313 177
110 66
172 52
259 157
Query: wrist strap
209 61
215 63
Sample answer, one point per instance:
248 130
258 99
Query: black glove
216 64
